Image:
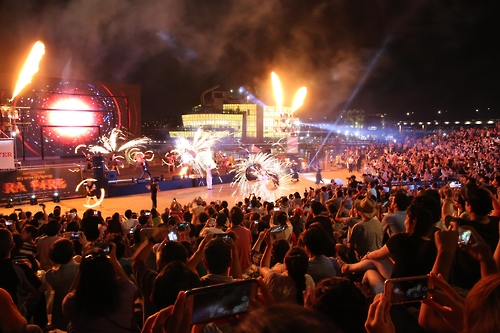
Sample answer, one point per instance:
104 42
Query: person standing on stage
114 164
154 188
91 190
319 178
209 178
145 169
88 161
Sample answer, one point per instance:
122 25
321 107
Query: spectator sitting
61 278
244 237
394 222
219 257
289 285
316 244
220 224
44 243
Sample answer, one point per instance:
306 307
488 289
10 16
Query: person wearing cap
368 234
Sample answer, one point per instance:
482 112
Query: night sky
389 57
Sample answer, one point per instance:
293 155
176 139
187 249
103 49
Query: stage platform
183 195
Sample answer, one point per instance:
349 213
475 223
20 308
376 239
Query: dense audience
323 261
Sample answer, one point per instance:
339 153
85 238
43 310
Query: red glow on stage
70 117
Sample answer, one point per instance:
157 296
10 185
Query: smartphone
104 247
225 237
464 236
406 290
175 200
132 230
278 228
17 209
8 222
276 209
41 205
75 235
173 235
147 212
256 222
96 212
221 301
455 185
183 225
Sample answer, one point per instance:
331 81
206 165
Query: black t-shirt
467 270
413 256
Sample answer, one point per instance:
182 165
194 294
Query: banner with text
43 182
7 154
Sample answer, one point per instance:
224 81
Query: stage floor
221 192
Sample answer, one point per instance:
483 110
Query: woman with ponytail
288 285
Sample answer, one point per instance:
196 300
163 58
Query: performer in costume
114 164
88 161
145 169
91 190
209 178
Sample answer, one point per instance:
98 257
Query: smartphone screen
132 230
278 228
407 290
221 301
173 236
276 209
464 236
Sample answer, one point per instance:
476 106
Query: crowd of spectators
321 258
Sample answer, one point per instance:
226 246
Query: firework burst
115 142
264 175
199 153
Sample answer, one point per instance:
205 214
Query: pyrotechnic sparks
299 99
197 154
110 145
101 198
30 67
260 172
135 155
278 91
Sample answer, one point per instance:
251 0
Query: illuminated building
252 122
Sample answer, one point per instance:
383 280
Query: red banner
43 182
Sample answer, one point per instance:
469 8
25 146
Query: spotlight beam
360 84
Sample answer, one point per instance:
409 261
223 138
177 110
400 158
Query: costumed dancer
145 169
91 191
209 178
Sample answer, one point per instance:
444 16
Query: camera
41 205
174 200
406 290
147 212
229 299
464 236
17 209
75 235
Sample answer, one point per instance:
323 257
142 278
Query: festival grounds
221 192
